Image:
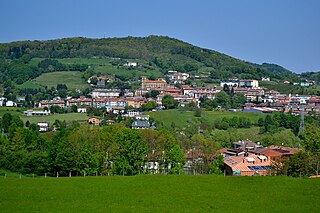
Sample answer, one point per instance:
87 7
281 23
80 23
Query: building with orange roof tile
247 165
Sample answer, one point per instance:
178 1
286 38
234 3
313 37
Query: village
246 158
128 103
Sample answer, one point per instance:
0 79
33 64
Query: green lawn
11 110
160 194
68 117
182 118
30 85
72 79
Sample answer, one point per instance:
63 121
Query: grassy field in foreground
160 194
182 118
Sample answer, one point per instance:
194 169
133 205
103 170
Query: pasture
183 118
68 117
72 79
159 193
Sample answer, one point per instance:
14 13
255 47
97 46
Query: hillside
158 52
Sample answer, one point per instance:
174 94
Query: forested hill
166 53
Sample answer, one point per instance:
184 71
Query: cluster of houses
246 158
116 100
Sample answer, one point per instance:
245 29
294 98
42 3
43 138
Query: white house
44 126
82 109
36 113
11 104
131 64
265 79
249 83
230 82
97 93
2 99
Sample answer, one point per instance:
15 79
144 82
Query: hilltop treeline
165 52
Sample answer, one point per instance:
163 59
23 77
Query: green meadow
183 118
68 117
72 79
159 193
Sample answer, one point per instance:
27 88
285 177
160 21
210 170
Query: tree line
88 150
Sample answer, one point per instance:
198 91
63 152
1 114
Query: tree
149 106
74 108
298 165
223 99
226 88
6 121
154 93
217 165
94 80
197 112
27 123
311 138
168 102
128 153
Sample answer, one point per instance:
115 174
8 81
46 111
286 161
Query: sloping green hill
163 52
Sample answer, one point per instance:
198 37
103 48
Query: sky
273 31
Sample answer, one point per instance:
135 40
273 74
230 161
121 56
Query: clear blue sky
285 32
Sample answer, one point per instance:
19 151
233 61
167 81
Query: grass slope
51 118
72 79
160 194
68 117
183 118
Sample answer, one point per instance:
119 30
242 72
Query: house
2 99
195 160
140 125
97 93
44 126
141 117
131 64
286 82
136 102
230 82
186 90
314 101
82 109
246 145
36 113
265 79
94 120
249 83
48 104
132 113
153 84
247 165
11 104
266 151
177 77
305 84
286 152
110 122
